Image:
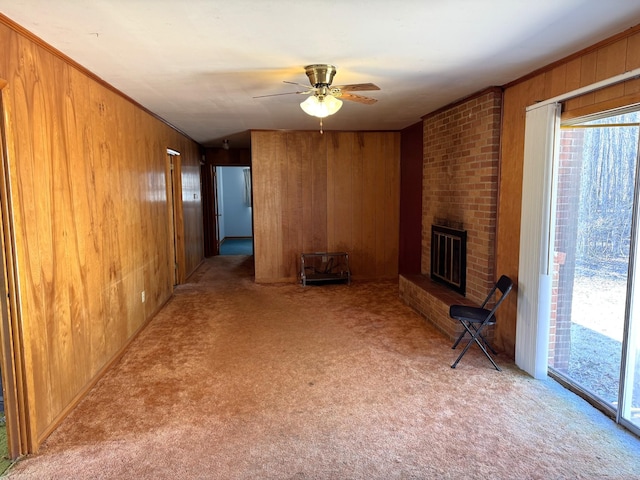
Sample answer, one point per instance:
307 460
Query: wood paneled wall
333 192
88 192
603 60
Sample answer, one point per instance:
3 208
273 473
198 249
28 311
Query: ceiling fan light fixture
321 106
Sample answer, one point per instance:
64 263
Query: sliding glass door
629 413
594 344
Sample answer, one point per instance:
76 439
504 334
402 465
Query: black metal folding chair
475 319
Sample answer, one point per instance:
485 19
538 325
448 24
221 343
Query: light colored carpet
234 380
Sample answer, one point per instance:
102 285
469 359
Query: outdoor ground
598 315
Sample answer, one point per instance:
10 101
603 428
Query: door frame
12 360
210 212
174 206
218 215
216 209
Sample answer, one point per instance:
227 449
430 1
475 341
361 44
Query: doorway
594 343
234 212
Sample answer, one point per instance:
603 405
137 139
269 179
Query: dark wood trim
219 157
411 160
462 100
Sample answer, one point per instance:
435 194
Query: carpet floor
234 380
237 246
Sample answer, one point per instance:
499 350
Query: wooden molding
590 49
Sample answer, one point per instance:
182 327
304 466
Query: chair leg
488 356
464 350
481 336
474 338
484 340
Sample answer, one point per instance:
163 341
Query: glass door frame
631 326
630 331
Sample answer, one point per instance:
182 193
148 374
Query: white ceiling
199 63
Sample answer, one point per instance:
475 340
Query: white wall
236 214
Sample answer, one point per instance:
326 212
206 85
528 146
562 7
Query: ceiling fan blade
299 84
358 87
287 93
357 98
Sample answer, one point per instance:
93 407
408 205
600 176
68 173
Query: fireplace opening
449 257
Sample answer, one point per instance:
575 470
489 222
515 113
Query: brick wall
459 190
460 181
570 167
557 332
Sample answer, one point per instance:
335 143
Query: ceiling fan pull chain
321 132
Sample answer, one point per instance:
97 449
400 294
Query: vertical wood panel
369 211
191 207
267 205
358 258
633 52
84 307
374 145
318 221
30 110
556 80
104 210
340 147
332 148
588 68
573 78
391 149
611 61
294 225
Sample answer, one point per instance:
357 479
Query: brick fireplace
460 189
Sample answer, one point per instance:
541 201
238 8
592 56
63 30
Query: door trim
20 438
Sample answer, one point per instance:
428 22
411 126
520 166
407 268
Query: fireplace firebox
449 257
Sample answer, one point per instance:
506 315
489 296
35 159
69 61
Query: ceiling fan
326 99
